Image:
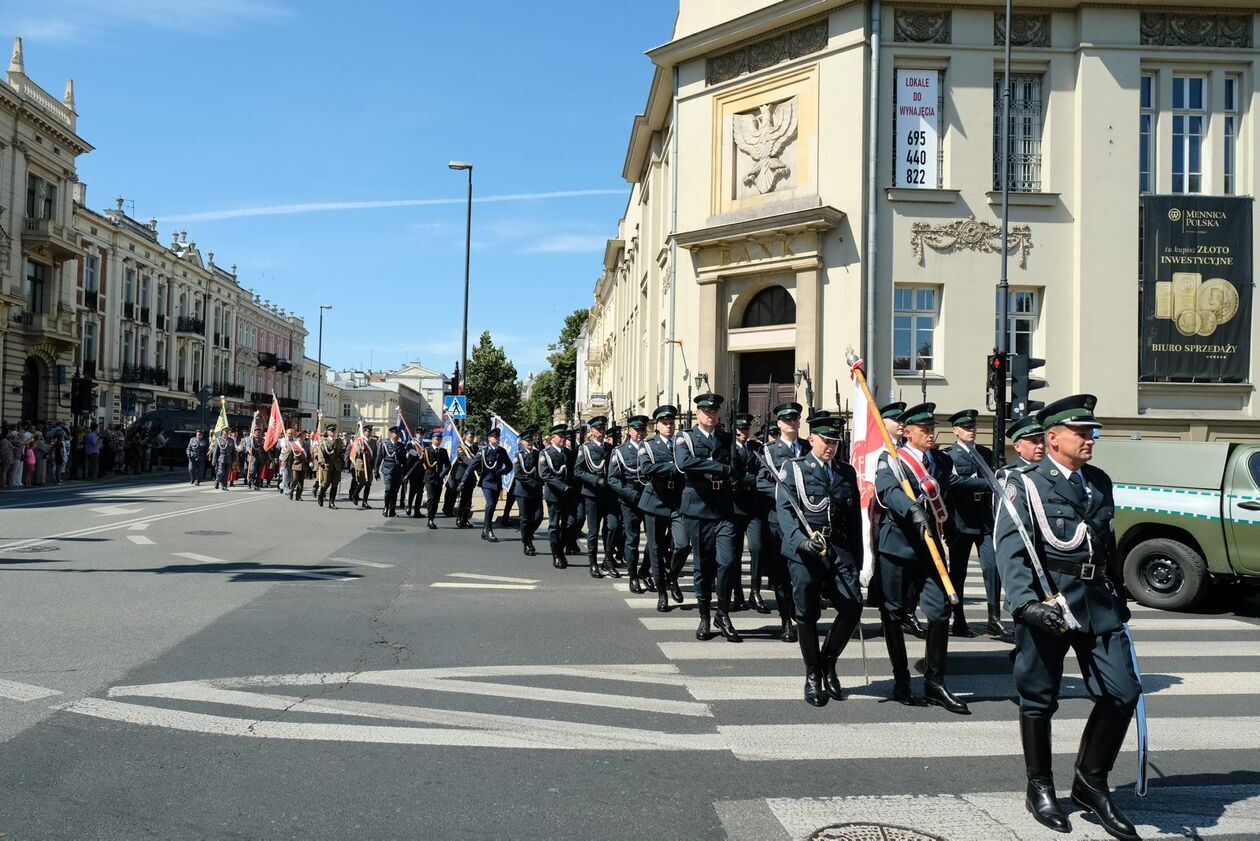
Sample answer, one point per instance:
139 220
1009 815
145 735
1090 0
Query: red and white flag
864 450
275 424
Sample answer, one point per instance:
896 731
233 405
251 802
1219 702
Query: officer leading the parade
1055 546
819 516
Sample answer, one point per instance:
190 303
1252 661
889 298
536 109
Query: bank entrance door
761 371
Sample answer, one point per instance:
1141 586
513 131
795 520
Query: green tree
563 360
540 405
491 386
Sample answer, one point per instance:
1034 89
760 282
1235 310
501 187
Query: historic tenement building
810 176
96 294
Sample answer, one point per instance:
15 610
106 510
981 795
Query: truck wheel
1166 574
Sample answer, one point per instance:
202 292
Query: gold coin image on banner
1188 322
1219 297
1207 323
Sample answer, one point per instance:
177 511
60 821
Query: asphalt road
184 663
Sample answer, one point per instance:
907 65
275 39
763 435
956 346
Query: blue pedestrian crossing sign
456 405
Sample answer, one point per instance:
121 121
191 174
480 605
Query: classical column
809 328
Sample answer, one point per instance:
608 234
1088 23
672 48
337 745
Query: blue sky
204 111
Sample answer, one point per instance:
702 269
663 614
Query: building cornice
819 218
731 32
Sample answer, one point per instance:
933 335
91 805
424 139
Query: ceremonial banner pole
855 367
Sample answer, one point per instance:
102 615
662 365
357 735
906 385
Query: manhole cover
383 528
870 832
26 550
208 533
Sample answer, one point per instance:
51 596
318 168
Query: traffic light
82 395
1022 384
996 371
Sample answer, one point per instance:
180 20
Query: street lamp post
319 367
463 368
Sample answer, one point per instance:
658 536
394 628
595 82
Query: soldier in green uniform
363 454
819 517
330 454
1066 506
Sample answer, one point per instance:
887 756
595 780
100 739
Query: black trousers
507 503
902 577
491 498
814 576
715 563
1106 659
557 525
531 516
464 507
960 546
667 545
596 511
775 568
415 493
433 493
631 523
448 501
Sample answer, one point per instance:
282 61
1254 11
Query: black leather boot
960 627
674 590
1041 801
995 628
662 600
912 626
558 560
934 690
738 602
704 631
529 549
726 629
610 566
636 586
485 533
815 695
593 559
787 632
838 635
1100 744
432 524
645 577
756 603
895 640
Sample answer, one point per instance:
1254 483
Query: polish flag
864 450
275 424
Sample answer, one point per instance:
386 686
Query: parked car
1187 515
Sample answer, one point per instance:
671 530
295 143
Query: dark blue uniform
486 470
774 457
529 495
706 507
557 481
389 469
435 462
590 468
627 484
661 501
971 524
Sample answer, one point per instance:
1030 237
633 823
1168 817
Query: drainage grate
384 528
27 550
208 533
870 832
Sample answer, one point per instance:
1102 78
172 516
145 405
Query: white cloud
77 20
376 204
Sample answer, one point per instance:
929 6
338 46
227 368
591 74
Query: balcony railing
260 397
188 324
283 366
161 321
129 309
144 374
266 360
228 389
90 297
287 402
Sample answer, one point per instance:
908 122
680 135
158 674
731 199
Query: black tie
1075 479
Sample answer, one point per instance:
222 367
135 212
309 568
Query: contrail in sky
316 207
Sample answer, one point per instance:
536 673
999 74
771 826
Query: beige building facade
812 176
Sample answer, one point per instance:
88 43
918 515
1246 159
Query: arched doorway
767 377
32 389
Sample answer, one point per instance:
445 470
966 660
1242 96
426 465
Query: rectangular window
36 287
129 286
1024 140
1023 316
1229 157
1146 139
89 341
90 273
144 350
126 349
915 315
1189 125
345 410
144 291
41 198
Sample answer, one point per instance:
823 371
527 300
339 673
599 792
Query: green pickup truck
1186 514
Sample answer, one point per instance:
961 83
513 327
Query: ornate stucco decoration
921 26
1028 29
762 135
1178 29
970 235
768 52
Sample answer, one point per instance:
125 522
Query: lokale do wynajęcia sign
1196 289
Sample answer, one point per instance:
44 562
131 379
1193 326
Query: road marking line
362 563
456 585
716 649
24 691
114 510
137 527
1000 816
140 540
203 559
500 578
784 687
150 518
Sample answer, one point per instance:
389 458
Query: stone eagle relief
762 135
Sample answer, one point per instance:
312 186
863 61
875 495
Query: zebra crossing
1201 674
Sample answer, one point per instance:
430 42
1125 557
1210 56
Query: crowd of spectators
50 453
